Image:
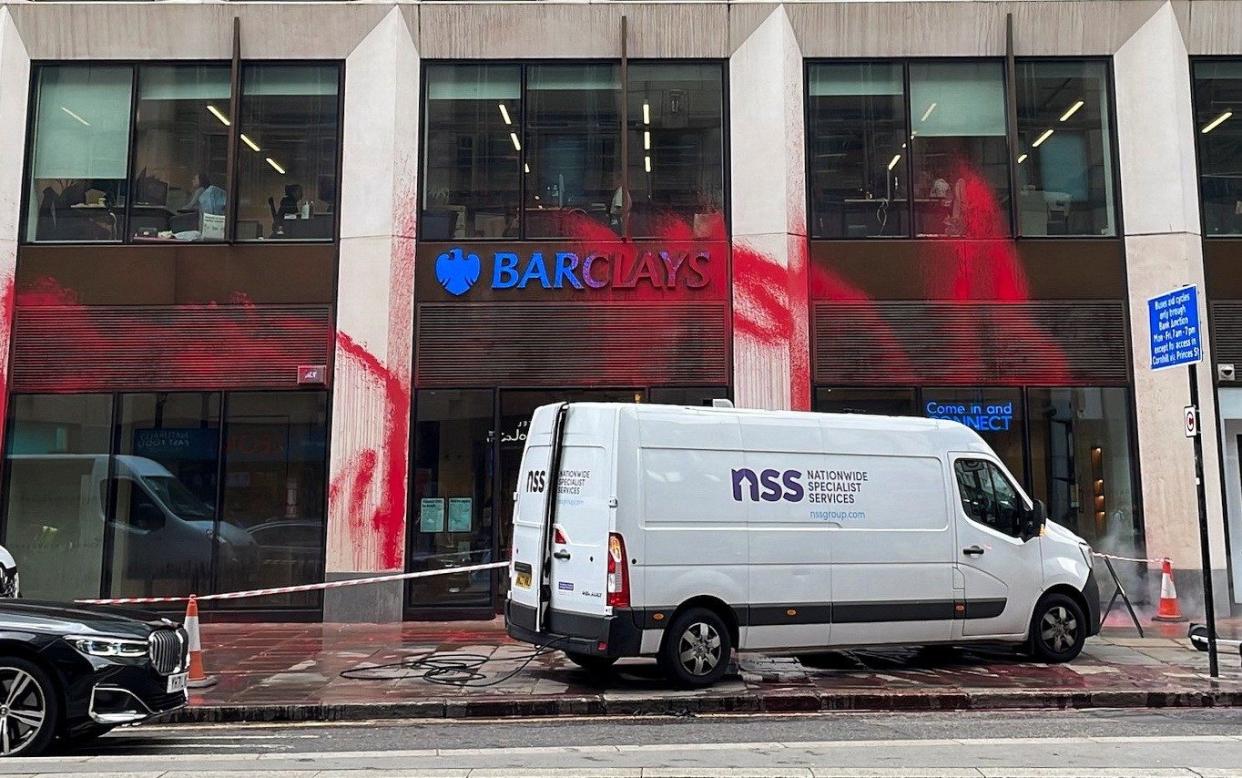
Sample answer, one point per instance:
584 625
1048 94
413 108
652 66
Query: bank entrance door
467 447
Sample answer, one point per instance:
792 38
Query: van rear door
560 557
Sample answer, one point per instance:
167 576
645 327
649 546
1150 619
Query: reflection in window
56 495
289 139
1065 179
181 152
676 148
882 402
1080 454
165 482
471 154
275 479
1218 125
452 507
80 153
958 138
856 143
572 134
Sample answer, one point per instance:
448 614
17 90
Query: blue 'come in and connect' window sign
1174 326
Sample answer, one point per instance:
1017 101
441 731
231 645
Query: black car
75 672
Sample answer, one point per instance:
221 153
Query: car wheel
1058 629
592 663
696 648
29 708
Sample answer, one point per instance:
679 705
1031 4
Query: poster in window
431 514
460 513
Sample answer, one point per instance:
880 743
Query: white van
683 533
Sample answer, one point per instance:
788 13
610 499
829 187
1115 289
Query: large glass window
573 137
996 414
56 497
452 499
472 154
84 185
1218 124
275 477
80 153
181 152
1081 463
534 151
959 144
289 141
1065 164
856 147
164 479
882 402
676 148
137 490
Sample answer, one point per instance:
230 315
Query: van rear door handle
972 550
563 554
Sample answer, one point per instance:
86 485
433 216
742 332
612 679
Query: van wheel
29 708
1058 629
696 648
592 663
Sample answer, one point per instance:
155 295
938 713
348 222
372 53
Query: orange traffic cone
198 678
1168 610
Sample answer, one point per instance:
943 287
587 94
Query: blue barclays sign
458 271
979 416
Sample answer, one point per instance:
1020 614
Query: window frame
523 66
293 613
996 468
1194 113
235 97
1010 92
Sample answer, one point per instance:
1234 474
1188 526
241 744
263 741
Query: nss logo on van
768 485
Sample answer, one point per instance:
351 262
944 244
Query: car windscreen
180 500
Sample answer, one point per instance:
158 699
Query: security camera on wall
1225 372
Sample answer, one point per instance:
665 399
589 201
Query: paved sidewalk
292 672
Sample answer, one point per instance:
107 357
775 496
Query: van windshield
180 500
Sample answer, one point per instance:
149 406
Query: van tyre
1058 629
696 648
29 708
592 663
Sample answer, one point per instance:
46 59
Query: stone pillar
1160 198
14 88
771 346
372 377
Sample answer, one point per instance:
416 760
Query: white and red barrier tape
300 588
1156 561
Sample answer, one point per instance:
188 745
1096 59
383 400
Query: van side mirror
1033 520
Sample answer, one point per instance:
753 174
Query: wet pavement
465 669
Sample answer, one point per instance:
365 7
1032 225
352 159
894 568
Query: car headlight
109 647
1087 554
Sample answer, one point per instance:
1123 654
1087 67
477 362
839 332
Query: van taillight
618 573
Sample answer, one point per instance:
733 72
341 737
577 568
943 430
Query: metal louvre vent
572 344
1226 330
168 650
1035 342
79 348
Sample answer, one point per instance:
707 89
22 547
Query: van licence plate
176 683
523 579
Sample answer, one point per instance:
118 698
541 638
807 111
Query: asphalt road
1020 743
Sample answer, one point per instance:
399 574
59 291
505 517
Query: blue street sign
1174 324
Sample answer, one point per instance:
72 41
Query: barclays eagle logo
457 271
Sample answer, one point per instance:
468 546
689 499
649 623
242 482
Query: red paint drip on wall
365 469
7 302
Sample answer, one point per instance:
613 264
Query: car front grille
168 650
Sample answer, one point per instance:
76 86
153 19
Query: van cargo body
683 533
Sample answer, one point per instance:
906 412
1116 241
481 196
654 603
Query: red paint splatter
7 302
980 270
364 469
